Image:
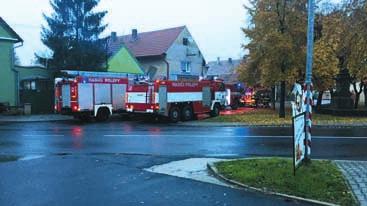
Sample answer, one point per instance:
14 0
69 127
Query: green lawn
320 180
270 117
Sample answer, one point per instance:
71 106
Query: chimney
218 60
230 60
113 36
134 34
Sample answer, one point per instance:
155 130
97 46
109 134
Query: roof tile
152 43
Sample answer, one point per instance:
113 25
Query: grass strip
320 180
271 117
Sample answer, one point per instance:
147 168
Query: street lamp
309 61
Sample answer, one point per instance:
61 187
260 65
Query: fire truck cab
90 94
177 100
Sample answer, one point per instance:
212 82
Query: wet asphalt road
172 140
102 163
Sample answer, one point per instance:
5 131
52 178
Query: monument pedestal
342 98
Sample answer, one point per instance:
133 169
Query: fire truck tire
174 114
103 114
216 111
236 104
187 113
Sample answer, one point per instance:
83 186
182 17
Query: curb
62 118
239 124
35 120
211 167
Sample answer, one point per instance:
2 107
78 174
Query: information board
299 135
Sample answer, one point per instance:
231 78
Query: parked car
262 98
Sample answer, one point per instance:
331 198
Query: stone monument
342 98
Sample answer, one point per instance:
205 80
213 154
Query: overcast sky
215 24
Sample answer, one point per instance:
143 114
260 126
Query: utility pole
308 82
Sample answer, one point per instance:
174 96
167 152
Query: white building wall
179 52
159 64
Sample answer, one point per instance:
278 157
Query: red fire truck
90 94
233 95
177 100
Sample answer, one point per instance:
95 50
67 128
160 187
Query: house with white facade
164 54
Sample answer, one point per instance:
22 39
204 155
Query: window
29 85
185 41
186 66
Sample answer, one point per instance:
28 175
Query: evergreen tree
72 33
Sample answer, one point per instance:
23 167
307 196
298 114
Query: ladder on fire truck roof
95 74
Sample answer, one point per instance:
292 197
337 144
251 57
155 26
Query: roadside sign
299 135
298 105
299 125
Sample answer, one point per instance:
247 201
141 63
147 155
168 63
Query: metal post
310 45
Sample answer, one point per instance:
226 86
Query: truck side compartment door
85 97
207 97
118 96
65 92
162 93
102 94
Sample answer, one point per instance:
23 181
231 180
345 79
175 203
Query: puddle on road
30 157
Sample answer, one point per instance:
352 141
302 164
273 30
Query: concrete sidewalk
34 118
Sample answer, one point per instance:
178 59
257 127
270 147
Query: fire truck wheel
174 114
216 110
235 104
103 114
187 113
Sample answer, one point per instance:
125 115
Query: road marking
233 136
43 135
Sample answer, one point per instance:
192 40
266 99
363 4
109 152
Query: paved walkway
193 168
356 174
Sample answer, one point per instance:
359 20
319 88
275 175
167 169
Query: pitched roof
10 30
222 67
153 43
225 70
